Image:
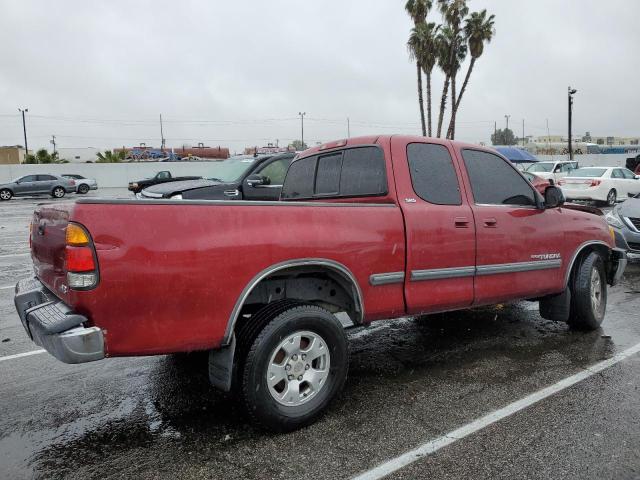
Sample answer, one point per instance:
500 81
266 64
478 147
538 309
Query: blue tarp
516 155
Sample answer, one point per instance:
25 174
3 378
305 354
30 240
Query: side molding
303 262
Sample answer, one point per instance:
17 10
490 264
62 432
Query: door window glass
495 182
29 178
363 172
628 174
328 174
433 175
299 180
276 171
617 173
46 178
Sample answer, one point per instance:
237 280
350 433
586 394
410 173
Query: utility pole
495 132
348 128
302 114
24 129
523 132
53 142
161 133
571 91
507 117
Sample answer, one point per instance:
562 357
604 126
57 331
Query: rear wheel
58 192
588 293
294 367
6 194
83 188
611 198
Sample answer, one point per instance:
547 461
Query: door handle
461 222
490 222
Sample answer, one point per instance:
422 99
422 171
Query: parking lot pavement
411 381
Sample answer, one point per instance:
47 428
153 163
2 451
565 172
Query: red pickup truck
366 229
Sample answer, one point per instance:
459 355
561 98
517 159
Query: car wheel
58 192
588 293
83 188
6 194
611 198
294 367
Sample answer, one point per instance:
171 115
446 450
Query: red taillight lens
595 183
561 182
79 259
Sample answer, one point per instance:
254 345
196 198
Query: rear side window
354 172
495 182
300 178
433 175
44 178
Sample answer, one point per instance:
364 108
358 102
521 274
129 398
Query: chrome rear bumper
52 324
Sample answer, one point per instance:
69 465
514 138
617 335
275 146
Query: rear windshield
541 167
587 172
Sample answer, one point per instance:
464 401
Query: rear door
46 183
632 184
439 226
518 244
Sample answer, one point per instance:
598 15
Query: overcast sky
237 73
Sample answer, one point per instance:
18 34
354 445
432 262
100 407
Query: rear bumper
52 324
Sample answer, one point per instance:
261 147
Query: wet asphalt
411 380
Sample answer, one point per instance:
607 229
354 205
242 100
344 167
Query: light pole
507 118
572 92
24 129
302 114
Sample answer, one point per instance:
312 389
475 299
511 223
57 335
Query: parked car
626 219
160 177
39 184
539 183
367 228
83 184
552 170
600 184
244 178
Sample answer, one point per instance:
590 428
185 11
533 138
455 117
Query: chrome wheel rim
58 192
5 195
298 368
596 291
611 199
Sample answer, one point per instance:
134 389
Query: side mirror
553 197
257 180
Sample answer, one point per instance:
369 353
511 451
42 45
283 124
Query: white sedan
600 184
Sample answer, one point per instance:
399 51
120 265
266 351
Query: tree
422 47
503 137
478 30
453 12
418 10
31 158
298 145
42 156
110 156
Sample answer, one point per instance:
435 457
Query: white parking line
7 287
433 446
15 255
20 355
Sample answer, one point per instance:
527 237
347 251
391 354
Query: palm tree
424 36
478 30
418 10
453 11
110 157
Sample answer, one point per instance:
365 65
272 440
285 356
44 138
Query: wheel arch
584 249
293 268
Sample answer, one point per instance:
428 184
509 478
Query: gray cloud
237 73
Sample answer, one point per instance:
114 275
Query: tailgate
48 230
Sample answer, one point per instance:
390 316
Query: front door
439 226
27 185
274 172
518 242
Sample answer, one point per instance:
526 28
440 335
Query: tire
5 194
588 293
306 385
58 192
611 198
83 188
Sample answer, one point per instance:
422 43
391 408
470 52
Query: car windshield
587 172
231 169
541 167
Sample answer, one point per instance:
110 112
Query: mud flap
221 366
557 307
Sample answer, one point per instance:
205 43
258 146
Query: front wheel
588 294
5 194
58 192
294 368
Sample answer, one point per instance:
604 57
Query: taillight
80 259
561 182
594 183
30 233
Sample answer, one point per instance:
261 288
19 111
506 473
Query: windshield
231 169
541 167
587 172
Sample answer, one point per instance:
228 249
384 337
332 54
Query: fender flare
301 262
579 250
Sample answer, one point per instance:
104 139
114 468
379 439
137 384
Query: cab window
276 171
